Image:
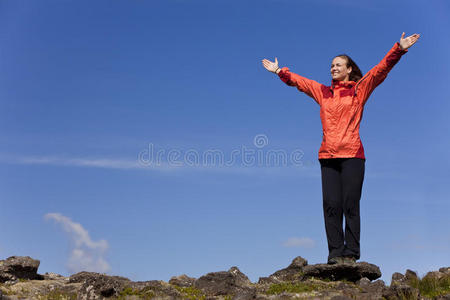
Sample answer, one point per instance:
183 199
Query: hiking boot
336 260
349 260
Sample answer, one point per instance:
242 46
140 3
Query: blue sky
88 87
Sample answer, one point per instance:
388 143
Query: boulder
411 276
19 267
401 291
246 294
96 284
293 272
350 272
435 275
408 278
378 283
363 282
229 282
397 278
54 276
373 288
182 280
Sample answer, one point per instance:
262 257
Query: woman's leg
332 206
352 176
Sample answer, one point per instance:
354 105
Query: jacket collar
340 83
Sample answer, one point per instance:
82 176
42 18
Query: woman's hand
409 41
270 66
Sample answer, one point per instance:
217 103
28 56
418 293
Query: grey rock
229 282
444 297
397 278
375 288
182 280
379 283
293 272
298 263
445 270
246 294
341 298
435 275
363 282
401 291
19 267
411 275
268 280
96 284
350 272
53 276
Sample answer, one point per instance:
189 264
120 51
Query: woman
341 154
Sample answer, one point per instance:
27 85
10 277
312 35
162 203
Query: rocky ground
19 280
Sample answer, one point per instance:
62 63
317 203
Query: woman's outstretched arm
373 78
303 84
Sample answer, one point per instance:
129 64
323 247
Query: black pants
342 181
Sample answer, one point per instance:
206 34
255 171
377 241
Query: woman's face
339 70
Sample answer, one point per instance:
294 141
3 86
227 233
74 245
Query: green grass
430 286
299 287
191 293
7 292
58 295
145 293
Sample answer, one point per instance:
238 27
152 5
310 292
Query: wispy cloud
302 242
85 162
124 164
86 255
308 169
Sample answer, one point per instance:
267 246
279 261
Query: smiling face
339 70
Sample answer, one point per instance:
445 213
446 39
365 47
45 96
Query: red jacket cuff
397 47
282 71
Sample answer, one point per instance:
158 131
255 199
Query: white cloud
86 255
123 164
299 242
87 162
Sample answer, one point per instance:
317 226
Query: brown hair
356 74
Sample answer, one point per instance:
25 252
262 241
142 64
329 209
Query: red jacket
342 105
